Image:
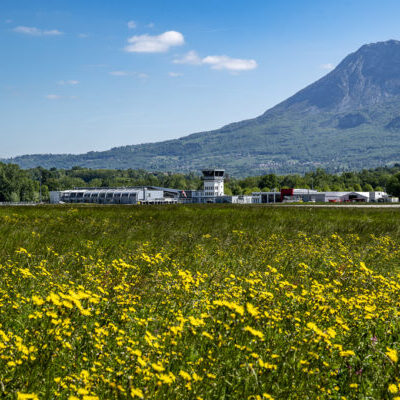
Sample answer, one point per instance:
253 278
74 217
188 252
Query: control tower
213 182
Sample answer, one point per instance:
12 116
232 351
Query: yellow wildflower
253 311
393 388
207 335
168 379
267 396
137 393
347 353
27 396
392 354
354 385
254 332
37 300
158 367
185 375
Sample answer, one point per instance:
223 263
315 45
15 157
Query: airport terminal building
212 192
132 195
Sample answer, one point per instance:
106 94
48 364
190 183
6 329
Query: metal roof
339 194
120 189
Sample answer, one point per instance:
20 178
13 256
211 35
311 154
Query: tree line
34 184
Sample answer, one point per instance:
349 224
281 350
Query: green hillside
349 119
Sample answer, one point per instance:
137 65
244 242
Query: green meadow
199 302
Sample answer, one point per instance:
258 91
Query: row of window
108 195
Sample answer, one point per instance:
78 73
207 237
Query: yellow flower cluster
271 318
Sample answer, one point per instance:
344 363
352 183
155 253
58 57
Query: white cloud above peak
32 31
154 44
217 62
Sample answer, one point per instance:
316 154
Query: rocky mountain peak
367 77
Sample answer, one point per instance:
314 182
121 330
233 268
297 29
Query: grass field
199 302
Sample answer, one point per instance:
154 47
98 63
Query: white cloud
8 21
191 58
175 74
150 25
53 32
131 24
83 35
53 96
71 82
119 73
154 44
217 62
231 64
140 75
327 66
29 30
58 97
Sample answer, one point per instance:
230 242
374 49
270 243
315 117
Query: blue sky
81 75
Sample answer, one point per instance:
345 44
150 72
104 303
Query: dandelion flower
393 388
392 354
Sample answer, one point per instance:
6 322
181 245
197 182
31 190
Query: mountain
349 119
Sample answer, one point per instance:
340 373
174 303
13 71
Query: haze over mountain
349 119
